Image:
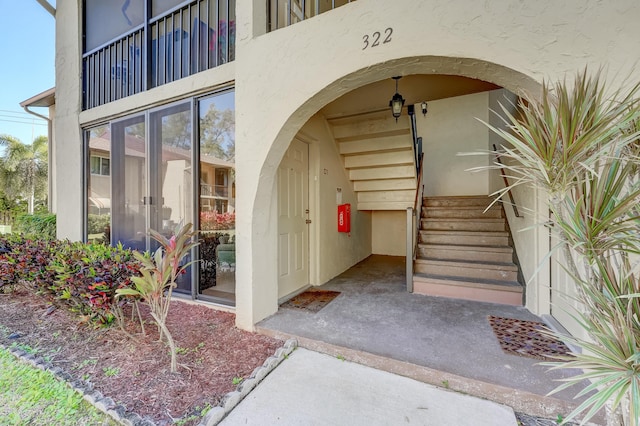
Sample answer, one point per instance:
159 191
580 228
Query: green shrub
96 223
85 277
42 226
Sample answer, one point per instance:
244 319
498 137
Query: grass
35 397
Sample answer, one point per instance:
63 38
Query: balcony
192 37
283 13
214 191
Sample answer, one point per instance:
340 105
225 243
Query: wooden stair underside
378 155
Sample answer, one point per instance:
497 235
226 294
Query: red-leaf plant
159 274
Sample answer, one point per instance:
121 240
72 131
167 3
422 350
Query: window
100 166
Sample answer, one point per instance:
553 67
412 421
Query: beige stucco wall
68 135
283 78
514 44
389 230
451 128
332 252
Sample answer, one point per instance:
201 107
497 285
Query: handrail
506 182
417 141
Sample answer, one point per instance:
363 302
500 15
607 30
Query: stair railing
506 182
417 141
414 215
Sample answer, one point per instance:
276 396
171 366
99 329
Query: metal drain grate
527 338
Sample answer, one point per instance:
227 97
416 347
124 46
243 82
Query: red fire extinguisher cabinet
344 218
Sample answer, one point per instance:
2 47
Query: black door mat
527 338
311 300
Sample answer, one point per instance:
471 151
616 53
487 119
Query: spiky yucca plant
579 143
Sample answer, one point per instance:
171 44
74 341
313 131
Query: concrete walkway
440 341
310 388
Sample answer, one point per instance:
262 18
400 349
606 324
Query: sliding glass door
161 169
151 177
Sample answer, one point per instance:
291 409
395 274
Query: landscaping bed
133 368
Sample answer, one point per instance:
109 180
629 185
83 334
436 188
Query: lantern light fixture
423 105
397 101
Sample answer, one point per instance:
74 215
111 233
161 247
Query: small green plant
445 383
559 419
86 363
111 371
182 351
86 377
341 357
237 380
159 275
56 334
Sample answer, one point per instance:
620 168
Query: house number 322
373 40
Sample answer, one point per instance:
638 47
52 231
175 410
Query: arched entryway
353 93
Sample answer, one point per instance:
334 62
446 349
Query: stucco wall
336 251
513 44
283 78
68 135
451 127
389 230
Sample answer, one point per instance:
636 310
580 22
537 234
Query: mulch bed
311 300
527 338
134 369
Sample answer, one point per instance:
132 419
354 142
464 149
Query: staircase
464 252
378 155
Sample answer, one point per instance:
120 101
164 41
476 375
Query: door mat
527 338
311 300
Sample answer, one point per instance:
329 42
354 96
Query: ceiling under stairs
378 155
464 252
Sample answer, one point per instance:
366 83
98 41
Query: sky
27 49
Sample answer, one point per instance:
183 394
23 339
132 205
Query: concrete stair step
457 224
502 254
459 201
504 292
473 238
467 269
462 212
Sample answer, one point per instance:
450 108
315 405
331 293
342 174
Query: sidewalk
310 388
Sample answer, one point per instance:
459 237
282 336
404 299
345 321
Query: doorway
293 219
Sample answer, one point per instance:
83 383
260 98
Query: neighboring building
294 96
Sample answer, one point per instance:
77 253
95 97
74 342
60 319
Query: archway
261 301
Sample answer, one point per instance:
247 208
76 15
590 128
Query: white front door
293 212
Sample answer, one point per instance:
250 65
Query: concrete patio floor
444 342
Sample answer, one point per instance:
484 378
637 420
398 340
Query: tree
217 133
24 169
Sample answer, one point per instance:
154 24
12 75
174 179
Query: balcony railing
217 191
283 13
190 38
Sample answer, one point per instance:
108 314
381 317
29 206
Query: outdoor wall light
424 108
397 102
